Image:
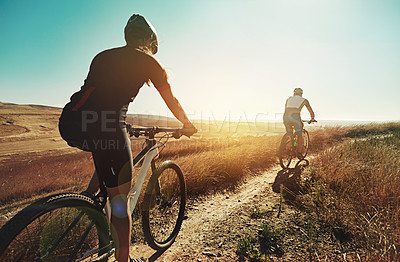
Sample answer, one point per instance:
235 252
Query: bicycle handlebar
151 131
309 121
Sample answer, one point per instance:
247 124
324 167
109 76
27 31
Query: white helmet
298 91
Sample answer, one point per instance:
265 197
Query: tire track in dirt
216 222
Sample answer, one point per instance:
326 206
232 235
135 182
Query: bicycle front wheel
164 206
63 227
286 151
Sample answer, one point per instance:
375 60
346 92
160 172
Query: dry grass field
352 191
218 157
34 160
356 196
346 204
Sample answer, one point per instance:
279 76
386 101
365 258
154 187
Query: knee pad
119 206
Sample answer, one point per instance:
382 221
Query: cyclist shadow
288 183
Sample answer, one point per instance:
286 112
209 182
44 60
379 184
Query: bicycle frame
147 154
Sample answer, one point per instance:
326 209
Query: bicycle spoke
63 235
83 238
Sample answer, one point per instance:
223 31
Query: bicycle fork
153 169
147 162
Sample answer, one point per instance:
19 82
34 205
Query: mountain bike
75 227
288 148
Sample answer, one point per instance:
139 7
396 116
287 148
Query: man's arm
310 110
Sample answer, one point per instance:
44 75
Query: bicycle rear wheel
306 139
164 206
285 151
63 227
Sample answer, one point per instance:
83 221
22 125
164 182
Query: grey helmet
139 30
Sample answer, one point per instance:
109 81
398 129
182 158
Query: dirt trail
216 223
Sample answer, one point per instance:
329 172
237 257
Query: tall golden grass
322 138
209 164
27 177
356 196
214 164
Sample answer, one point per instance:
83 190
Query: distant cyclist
291 117
94 119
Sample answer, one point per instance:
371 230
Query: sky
227 59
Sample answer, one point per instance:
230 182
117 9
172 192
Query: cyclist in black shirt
94 119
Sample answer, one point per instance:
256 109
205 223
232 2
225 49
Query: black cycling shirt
114 79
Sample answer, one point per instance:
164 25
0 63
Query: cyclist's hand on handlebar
312 121
188 130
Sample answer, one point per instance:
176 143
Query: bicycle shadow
288 183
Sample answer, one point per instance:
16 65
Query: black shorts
111 149
112 157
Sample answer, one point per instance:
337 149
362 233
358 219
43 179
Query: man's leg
288 125
298 126
300 145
